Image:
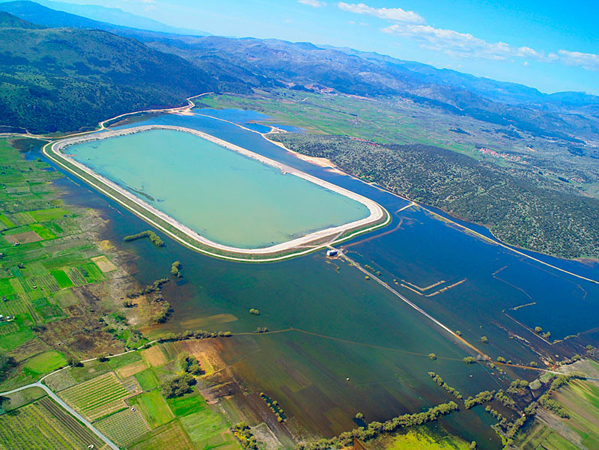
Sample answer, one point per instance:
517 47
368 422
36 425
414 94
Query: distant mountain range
240 65
113 16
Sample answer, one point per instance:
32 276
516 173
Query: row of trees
155 286
199 334
479 399
437 379
375 429
154 238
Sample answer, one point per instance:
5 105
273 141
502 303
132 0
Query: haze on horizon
548 45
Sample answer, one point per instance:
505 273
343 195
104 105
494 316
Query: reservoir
227 197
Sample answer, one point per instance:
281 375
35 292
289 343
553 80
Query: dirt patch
207 355
23 238
131 369
104 264
154 356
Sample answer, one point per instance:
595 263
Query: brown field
131 369
24 238
204 352
169 436
154 356
104 264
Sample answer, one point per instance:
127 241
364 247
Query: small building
332 253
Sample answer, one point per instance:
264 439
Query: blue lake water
227 197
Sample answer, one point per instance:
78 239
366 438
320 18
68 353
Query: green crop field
186 405
124 427
44 425
45 363
205 427
153 407
97 397
147 380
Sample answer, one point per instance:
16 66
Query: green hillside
67 79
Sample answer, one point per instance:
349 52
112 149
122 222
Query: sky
547 44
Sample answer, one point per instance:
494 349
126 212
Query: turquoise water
227 197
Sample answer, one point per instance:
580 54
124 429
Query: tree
6 363
74 362
4 402
432 356
360 416
484 340
103 357
538 330
469 360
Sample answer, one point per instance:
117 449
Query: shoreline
378 217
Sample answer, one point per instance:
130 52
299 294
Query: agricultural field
420 438
124 427
49 265
572 421
43 424
99 397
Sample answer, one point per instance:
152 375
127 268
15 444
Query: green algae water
227 197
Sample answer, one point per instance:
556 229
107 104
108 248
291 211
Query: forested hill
521 208
67 79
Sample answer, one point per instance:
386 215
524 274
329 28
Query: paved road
70 410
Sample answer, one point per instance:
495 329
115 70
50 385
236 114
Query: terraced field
99 397
44 425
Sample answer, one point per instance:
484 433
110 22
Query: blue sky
551 45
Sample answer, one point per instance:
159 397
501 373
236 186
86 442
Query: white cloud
460 44
312 3
588 61
411 25
392 14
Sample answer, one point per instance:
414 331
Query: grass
42 231
45 363
204 425
186 405
45 215
124 360
61 278
154 408
148 381
16 339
